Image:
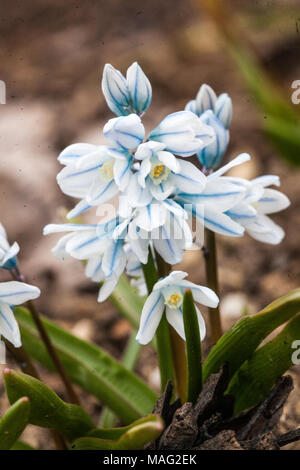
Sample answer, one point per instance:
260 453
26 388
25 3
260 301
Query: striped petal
114 258
242 158
80 208
205 99
273 236
115 91
272 201
139 88
75 182
73 153
201 294
211 155
59 250
93 269
150 318
126 132
223 109
8 326
101 191
107 288
16 293
83 245
122 173
150 217
175 318
190 179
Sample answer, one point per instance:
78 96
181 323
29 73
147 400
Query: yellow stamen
174 298
158 170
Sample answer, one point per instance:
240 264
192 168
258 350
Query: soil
53 55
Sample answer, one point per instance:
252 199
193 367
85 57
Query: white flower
8 258
253 209
13 293
168 294
163 174
126 96
183 133
94 271
219 195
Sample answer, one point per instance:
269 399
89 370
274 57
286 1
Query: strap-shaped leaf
193 347
116 433
47 409
246 335
91 368
134 439
13 423
258 374
127 301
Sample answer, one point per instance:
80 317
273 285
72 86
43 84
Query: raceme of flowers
158 192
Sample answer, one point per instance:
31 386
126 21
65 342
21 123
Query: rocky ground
52 56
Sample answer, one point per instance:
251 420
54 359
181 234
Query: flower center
107 170
175 300
159 173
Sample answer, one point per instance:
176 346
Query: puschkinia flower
13 293
217 113
253 210
168 295
126 96
8 253
162 173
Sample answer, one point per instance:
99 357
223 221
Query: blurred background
52 57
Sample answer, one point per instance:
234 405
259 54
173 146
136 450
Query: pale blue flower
217 113
13 293
183 133
163 174
252 212
168 295
8 253
126 96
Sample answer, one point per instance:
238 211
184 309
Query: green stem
210 256
176 342
48 343
164 349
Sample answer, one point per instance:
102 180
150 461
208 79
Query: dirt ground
52 57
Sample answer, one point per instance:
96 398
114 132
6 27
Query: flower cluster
11 293
158 192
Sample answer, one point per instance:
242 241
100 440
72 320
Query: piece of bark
267 414
212 393
267 441
182 432
288 438
225 440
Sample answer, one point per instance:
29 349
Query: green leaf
91 368
193 347
108 418
240 342
127 301
47 409
258 374
133 439
116 433
13 423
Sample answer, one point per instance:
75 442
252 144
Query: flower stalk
210 257
177 343
73 397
